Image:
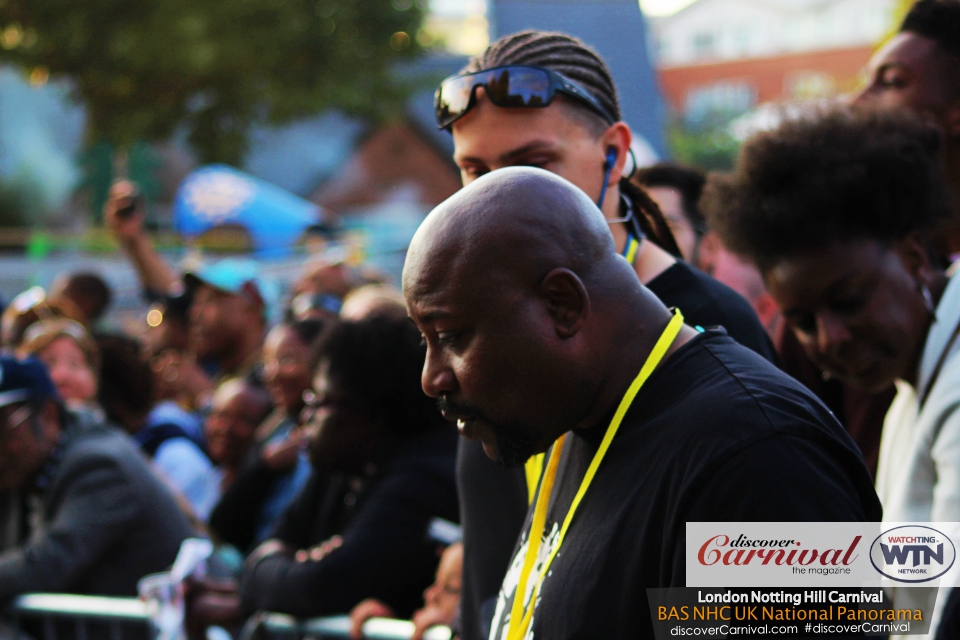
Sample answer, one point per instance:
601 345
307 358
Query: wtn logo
899 554
912 553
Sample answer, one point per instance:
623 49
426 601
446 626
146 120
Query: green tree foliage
145 67
708 146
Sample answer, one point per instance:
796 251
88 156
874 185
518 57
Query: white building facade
721 30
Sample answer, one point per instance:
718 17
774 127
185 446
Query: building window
703 45
720 101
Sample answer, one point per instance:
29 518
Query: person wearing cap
89 516
230 303
227 320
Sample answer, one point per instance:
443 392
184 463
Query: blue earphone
607 168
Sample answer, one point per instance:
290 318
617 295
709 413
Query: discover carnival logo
912 553
741 551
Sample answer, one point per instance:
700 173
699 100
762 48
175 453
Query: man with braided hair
573 130
919 70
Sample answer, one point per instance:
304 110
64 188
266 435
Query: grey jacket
102 521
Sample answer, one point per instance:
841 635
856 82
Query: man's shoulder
727 419
707 302
101 447
723 390
99 442
684 284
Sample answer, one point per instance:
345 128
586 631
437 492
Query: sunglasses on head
509 86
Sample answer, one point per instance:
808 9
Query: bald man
535 330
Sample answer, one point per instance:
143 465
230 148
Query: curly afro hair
377 362
834 175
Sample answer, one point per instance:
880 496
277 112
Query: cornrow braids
558 52
651 219
576 60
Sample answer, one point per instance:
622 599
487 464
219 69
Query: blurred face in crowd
341 434
286 368
235 413
671 204
219 321
489 137
856 307
908 73
442 598
70 370
27 438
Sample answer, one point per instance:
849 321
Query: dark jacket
383 522
103 521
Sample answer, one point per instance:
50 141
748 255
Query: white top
918 475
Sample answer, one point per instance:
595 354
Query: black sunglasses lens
453 98
508 87
524 87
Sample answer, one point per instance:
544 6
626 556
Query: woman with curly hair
835 210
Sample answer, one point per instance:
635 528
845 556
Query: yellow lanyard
520 616
630 249
533 468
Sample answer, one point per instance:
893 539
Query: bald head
517 223
526 310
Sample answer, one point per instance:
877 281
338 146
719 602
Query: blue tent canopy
217 195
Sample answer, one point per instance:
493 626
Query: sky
662 7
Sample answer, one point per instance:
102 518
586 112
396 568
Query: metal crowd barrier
276 626
124 618
59 615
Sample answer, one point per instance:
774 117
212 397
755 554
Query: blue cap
237 276
22 380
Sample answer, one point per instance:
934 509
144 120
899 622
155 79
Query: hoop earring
634 167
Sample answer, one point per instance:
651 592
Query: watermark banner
822 554
787 612
809 580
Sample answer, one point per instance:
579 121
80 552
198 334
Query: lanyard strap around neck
520 615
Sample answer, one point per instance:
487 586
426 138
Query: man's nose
859 97
437 378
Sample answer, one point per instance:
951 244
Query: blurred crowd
309 449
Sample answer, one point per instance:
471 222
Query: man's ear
567 301
619 137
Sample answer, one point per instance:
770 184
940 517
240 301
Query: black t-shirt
493 507
716 434
383 522
493 500
709 303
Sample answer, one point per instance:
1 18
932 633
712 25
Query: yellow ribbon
521 616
